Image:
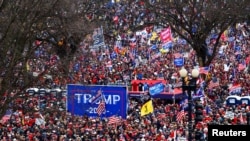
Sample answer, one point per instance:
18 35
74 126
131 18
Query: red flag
166 35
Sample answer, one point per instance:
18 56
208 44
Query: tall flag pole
101 107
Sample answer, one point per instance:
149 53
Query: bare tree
60 23
192 20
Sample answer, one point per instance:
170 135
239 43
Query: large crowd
130 56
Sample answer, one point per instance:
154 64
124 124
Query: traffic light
198 112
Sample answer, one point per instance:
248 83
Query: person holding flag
102 106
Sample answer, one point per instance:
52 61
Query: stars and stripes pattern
213 84
204 70
180 115
101 108
113 120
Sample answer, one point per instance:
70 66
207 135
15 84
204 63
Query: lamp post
189 85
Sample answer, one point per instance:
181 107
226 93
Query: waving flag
147 108
113 120
166 35
235 90
204 70
180 115
199 94
101 108
6 117
213 84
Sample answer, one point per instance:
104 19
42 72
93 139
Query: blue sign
245 100
179 62
98 38
167 45
233 100
80 97
156 89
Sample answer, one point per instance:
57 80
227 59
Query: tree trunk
201 61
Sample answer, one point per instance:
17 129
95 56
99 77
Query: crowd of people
132 55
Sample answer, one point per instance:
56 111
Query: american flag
213 84
113 120
204 70
101 108
180 115
235 89
6 117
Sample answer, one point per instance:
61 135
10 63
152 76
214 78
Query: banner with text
80 97
156 89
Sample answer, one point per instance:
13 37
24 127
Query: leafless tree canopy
192 20
25 21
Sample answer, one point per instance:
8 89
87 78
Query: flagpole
104 102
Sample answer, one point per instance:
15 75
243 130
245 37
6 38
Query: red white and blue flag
6 117
204 70
213 84
180 115
114 120
101 108
235 89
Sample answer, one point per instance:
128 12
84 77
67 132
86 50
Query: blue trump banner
84 100
179 62
156 89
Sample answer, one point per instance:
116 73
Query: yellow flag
154 36
147 108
